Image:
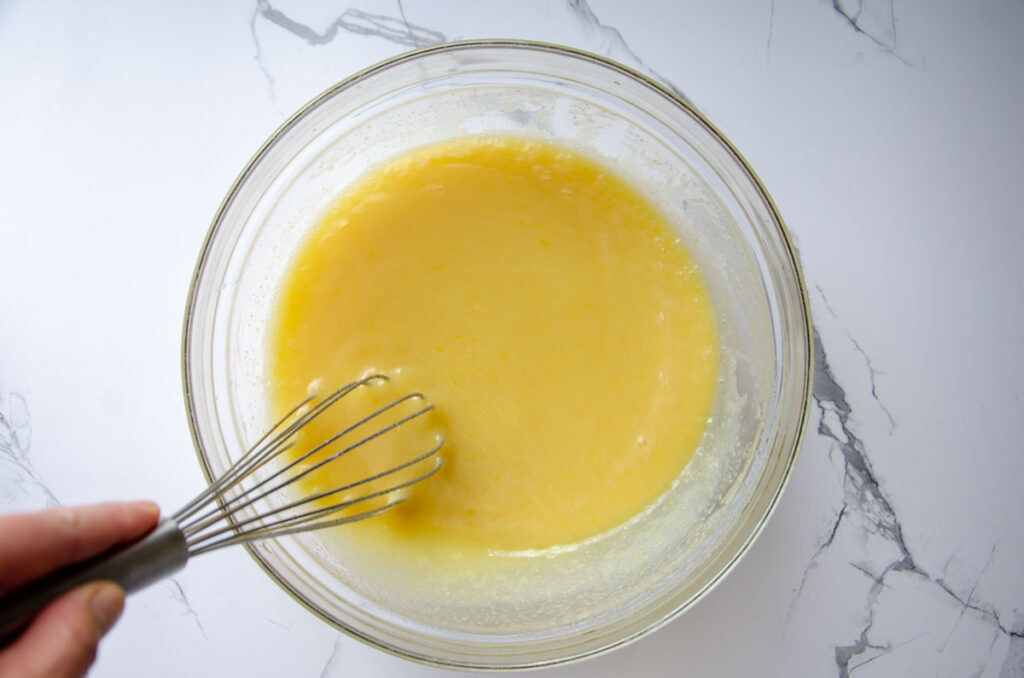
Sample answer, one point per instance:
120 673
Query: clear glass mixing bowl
531 611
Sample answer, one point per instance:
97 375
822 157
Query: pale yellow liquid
548 310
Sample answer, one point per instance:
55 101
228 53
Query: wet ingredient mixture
542 303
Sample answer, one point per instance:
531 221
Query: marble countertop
888 133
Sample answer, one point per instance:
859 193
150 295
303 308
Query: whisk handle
157 555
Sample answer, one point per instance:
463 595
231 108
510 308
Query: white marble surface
889 134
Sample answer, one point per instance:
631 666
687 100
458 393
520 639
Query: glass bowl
537 611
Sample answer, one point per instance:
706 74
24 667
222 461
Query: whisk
232 509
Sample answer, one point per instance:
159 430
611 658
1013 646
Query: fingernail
106 605
150 507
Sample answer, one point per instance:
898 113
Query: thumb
61 641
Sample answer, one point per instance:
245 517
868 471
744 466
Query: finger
33 544
61 641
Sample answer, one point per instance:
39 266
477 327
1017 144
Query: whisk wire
262 451
208 524
307 521
349 448
226 481
266 448
259 491
242 532
193 532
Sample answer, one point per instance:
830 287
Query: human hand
61 641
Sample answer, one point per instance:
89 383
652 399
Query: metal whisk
226 512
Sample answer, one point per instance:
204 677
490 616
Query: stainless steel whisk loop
235 509
201 526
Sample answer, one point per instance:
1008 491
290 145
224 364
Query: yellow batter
547 309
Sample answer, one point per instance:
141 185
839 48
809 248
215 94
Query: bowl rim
674 97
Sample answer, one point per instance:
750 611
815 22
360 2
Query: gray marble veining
608 41
26 486
600 38
393 29
335 664
876 21
350 22
868 510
